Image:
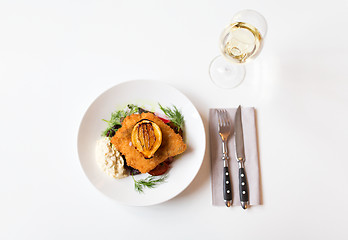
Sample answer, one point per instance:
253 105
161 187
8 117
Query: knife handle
243 188
227 186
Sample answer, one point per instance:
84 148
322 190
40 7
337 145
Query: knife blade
240 156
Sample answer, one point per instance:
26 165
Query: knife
240 156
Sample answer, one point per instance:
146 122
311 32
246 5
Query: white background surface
56 57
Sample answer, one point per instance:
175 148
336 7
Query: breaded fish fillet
172 143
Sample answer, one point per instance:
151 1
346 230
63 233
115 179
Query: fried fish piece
172 143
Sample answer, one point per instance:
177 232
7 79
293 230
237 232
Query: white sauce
109 159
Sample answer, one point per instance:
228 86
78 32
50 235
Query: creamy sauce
109 159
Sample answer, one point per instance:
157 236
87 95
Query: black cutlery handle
243 186
227 185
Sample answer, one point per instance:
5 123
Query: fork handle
227 187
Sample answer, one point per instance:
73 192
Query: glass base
226 74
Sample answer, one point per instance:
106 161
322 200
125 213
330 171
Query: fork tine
223 116
226 118
223 119
219 117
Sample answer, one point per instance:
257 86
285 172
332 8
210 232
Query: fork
224 128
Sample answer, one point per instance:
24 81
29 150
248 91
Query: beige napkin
251 158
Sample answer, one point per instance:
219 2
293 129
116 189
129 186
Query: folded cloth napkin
251 158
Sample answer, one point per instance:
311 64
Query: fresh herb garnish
149 182
174 115
116 119
133 109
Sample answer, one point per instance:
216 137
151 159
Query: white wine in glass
240 42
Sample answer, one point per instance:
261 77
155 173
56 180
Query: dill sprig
174 115
149 182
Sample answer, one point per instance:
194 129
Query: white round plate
149 94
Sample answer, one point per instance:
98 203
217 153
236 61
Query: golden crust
172 143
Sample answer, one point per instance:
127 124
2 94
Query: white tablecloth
56 57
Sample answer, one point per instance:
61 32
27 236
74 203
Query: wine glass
240 42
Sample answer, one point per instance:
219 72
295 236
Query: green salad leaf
116 119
